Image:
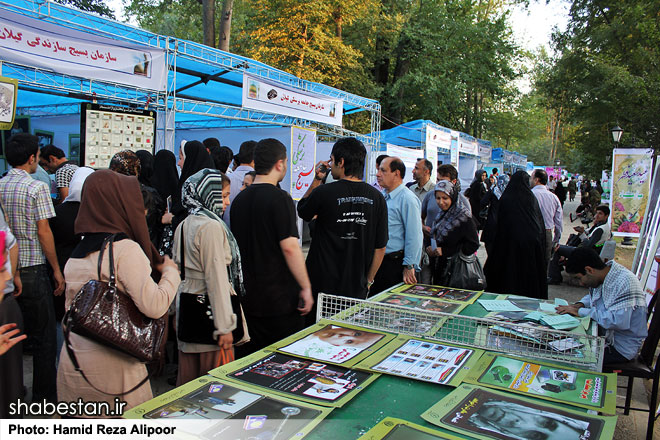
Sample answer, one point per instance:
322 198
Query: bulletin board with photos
106 130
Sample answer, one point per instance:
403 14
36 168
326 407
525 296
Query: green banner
487 414
585 389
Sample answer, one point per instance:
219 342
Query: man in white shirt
550 209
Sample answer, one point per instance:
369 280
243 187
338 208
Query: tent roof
198 73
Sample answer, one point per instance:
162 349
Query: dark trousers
11 363
554 269
612 356
267 330
389 273
36 303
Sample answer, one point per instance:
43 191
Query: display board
391 428
106 130
289 376
585 389
8 92
631 180
444 293
336 344
217 406
486 414
424 360
303 159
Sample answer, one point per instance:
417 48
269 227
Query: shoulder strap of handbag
67 330
182 254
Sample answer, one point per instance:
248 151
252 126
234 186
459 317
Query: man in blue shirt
615 301
404 245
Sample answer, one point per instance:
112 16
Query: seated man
598 234
615 301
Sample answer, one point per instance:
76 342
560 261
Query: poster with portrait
279 374
444 293
336 344
487 414
391 428
632 171
419 303
585 389
208 405
423 360
8 93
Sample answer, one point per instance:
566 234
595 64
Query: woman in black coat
516 264
475 193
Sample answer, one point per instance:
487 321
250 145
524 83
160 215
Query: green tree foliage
177 18
96 6
606 74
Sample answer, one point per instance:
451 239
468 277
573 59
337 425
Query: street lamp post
616 137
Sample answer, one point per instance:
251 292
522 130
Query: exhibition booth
94 86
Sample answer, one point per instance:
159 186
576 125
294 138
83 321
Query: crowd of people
222 232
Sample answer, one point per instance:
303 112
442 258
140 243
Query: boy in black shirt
263 220
350 231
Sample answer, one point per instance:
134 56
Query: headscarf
76 184
195 158
166 178
202 195
477 176
146 167
112 203
502 182
459 211
125 162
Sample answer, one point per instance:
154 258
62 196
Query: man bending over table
615 301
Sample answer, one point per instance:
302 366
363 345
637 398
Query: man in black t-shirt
263 220
350 231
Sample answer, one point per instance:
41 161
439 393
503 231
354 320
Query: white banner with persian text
438 139
468 146
261 95
36 43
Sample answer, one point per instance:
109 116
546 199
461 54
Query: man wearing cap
245 159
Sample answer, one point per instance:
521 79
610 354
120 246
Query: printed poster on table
302 379
337 344
444 293
487 414
631 180
32 42
391 428
303 159
8 92
419 303
423 360
268 97
207 406
585 389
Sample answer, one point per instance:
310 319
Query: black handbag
106 315
465 272
195 316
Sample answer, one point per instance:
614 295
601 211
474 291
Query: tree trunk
468 118
208 22
339 21
225 25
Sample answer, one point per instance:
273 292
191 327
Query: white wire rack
527 341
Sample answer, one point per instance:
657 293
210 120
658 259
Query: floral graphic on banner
631 176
